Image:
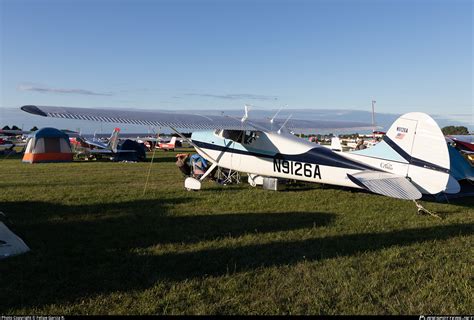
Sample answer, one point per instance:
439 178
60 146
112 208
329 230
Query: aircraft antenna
271 120
284 123
246 115
373 118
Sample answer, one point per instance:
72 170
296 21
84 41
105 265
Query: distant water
14 116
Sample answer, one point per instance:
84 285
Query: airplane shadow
77 257
17 155
465 201
216 262
162 159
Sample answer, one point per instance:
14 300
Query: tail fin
114 140
415 148
336 144
417 138
173 141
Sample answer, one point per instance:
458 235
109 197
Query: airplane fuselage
281 155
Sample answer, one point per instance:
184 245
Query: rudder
418 139
114 140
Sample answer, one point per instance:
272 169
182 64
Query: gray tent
10 243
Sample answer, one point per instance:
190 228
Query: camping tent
130 150
48 145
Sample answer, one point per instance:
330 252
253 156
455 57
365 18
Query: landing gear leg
195 184
423 210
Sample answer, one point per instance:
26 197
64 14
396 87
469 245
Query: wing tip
34 110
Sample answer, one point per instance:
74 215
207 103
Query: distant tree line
455 130
35 128
12 128
318 136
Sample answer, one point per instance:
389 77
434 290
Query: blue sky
408 55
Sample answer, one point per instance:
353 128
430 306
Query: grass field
101 246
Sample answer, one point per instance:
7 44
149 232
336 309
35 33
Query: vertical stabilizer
417 138
114 140
173 141
336 144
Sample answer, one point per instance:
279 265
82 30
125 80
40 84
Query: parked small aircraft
12 138
463 142
167 146
6 144
411 160
97 149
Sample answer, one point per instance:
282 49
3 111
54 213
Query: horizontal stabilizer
386 184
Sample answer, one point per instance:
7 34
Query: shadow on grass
18 156
81 251
464 202
162 159
219 261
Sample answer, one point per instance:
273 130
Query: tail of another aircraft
114 140
173 141
336 144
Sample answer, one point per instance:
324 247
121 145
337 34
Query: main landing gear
195 184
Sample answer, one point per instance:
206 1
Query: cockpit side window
239 136
250 137
234 135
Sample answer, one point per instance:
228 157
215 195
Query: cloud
235 96
466 119
45 89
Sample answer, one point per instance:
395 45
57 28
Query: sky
170 55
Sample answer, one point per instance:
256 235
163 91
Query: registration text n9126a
296 168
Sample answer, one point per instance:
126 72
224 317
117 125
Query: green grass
101 246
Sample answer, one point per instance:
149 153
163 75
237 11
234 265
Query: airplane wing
100 151
185 120
107 151
386 184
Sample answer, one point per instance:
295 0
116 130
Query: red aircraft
167 145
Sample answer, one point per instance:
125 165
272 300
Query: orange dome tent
48 145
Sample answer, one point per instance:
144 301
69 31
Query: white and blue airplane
96 146
412 159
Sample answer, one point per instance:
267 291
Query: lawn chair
227 176
199 166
